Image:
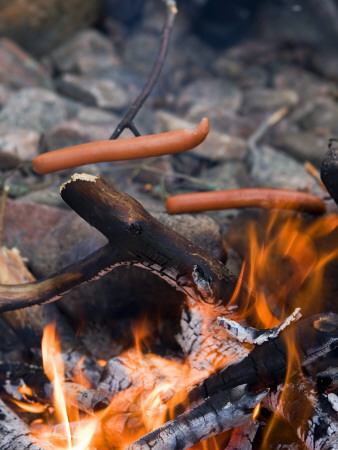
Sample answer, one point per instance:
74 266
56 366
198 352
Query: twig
127 121
259 133
4 194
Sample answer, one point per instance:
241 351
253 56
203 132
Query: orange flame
284 267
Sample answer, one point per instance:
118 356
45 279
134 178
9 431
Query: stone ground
78 91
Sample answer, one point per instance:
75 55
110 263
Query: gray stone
89 125
17 145
274 169
202 95
216 147
325 62
83 51
18 69
305 146
38 26
33 108
100 92
228 175
322 115
305 83
265 99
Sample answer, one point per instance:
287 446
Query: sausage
122 149
245 198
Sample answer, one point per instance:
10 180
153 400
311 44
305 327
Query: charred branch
315 340
214 416
312 417
135 238
242 437
329 169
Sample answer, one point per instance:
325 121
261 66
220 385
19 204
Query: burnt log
14 433
329 169
135 239
315 340
242 437
312 416
214 416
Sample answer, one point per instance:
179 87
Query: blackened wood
14 434
329 169
312 417
150 244
314 338
136 238
214 416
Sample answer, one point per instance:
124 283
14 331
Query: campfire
262 341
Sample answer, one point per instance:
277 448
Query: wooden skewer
122 149
243 198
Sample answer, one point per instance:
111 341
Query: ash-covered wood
256 336
329 169
14 434
311 416
314 338
242 437
214 416
114 377
136 238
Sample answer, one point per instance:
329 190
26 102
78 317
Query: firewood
28 324
214 416
312 417
14 433
136 238
242 437
314 338
329 169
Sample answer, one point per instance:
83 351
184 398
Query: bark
14 434
214 416
136 238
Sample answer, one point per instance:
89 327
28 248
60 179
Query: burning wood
14 434
214 416
298 399
145 389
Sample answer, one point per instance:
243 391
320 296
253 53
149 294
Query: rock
265 99
90 124
216 147
321 116
18 69
18 145
305 146
325 62
100 92
84 50
227 175
26 225
55 20
34 108
201 229
202 95
274 169
305 83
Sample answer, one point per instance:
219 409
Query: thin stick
4 195
127 121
